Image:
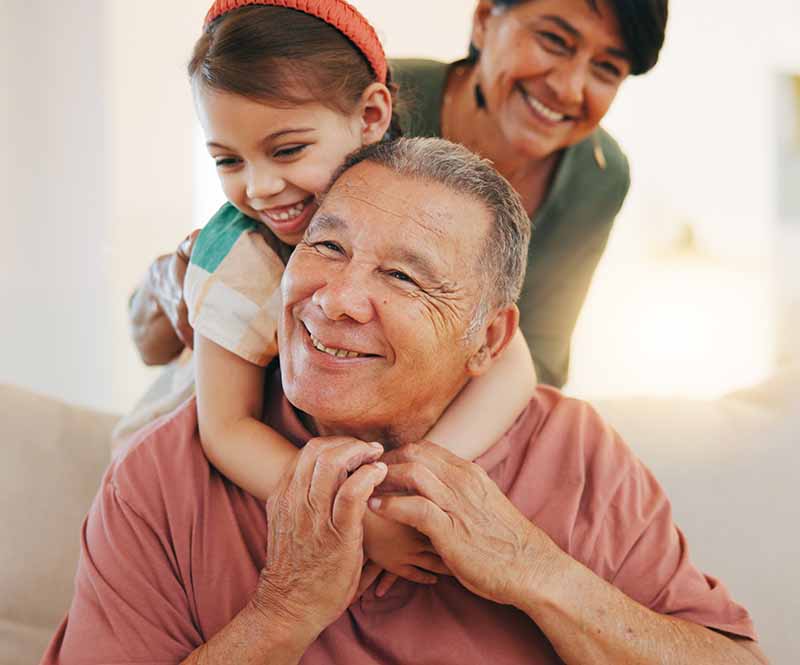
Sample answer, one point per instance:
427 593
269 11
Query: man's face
376 301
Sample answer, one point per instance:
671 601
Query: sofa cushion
53 456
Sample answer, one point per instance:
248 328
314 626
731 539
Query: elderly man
560 543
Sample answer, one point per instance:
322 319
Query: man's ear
376 112
496 338
480 18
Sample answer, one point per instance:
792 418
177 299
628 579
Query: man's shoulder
161 465
563 439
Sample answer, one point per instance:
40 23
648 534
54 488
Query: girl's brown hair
283 57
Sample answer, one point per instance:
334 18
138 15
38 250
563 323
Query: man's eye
328 245
401 276
226 162
291 151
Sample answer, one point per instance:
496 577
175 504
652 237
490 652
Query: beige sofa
730 466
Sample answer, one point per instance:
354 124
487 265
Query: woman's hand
401 551
158 314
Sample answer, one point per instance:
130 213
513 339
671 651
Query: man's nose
346 295
567 80
263 183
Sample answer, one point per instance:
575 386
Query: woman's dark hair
283 57
641 22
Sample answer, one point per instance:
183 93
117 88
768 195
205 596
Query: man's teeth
285 216
338 353
548 113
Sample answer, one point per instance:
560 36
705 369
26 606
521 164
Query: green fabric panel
219 236
570 228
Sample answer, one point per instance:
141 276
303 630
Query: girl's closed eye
226 162
290 151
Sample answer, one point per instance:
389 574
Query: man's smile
336 351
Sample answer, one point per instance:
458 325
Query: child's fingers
385 583
369 574
431 562
414 574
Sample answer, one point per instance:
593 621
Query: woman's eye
609 69
554 41
291 151
226 162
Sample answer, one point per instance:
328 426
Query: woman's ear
480 18
376 113
496 338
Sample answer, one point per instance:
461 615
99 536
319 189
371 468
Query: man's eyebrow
325 221
568 27
269 137
420 263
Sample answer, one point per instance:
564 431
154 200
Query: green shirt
570 228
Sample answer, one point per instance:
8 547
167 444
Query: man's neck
389 437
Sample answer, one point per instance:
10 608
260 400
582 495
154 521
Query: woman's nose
568 82
263 183
345 295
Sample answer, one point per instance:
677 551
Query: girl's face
272 161
549 70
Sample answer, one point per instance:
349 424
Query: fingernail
374 503
376 445
381 466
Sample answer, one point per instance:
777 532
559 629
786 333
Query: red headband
337 13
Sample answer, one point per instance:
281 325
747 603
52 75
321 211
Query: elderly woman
540 76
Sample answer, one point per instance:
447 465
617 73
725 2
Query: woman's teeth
338 353
286 215
550 114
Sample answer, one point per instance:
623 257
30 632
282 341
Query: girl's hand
401 551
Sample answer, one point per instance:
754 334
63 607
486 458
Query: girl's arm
230 395
489 404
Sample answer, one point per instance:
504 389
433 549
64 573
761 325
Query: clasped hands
462 525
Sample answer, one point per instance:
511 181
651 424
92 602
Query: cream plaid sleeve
232 287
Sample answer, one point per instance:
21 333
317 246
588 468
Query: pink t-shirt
171 551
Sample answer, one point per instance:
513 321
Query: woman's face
549 70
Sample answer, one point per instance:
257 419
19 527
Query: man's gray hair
502 263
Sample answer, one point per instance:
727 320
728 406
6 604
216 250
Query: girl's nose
263 183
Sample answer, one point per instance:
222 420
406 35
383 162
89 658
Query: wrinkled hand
492 548
401 551
165 280
315 549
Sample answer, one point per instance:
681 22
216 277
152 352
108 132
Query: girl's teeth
291 213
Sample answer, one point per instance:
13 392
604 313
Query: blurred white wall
106 169
55 214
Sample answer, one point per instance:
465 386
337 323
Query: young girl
285 89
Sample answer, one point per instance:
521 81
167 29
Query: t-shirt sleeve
639 549
129 605
232 287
